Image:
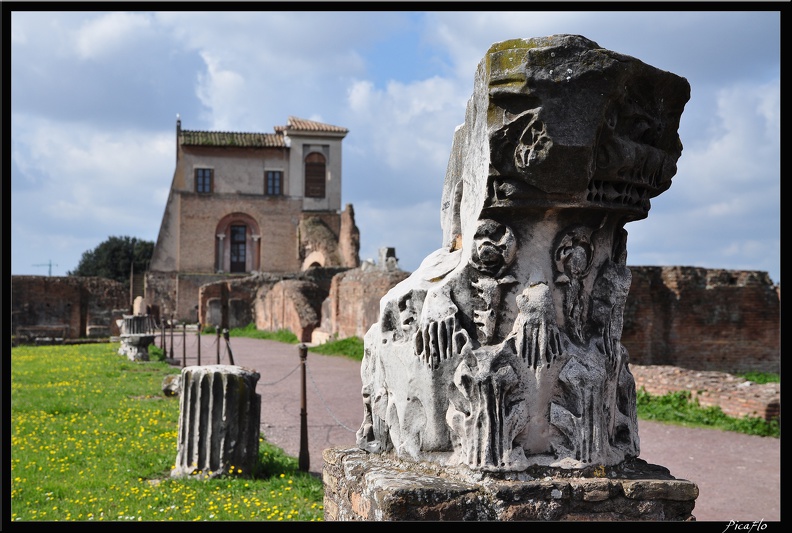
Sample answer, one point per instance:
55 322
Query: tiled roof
255 140
301 124
225 138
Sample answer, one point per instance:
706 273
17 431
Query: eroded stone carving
502 350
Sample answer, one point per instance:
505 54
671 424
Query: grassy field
94 438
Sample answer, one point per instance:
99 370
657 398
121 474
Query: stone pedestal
220 415
360 486
137 334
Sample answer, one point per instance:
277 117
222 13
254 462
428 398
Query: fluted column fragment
219 419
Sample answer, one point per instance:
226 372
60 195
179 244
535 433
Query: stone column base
360 486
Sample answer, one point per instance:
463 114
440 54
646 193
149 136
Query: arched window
315 175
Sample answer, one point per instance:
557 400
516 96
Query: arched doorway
238 260
238 244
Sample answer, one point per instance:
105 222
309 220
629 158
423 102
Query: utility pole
47 265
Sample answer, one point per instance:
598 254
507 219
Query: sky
95 96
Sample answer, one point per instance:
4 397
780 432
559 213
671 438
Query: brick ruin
695 318
353 301
66 307
316 304
703 319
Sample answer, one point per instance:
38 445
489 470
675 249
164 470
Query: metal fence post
171 336
184 344
199 344
304 459
228 346
218 345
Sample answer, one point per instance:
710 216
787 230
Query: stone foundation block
360 486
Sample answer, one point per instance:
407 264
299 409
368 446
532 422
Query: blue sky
95 94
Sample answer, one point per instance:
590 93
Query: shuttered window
315 176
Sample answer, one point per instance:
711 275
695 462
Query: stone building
244 203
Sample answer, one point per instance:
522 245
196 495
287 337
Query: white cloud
88 175
739 158
409 125
221 90
105 35
261 67
361 96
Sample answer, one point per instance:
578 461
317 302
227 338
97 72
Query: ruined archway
314 259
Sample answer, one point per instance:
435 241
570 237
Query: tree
113 258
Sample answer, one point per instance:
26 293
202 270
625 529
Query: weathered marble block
219 419
502 350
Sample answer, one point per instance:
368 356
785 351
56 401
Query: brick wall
703 319
353 302
160 292
246 293
290 304
277 220
70 307
695 318
240 294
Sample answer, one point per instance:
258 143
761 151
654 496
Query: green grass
351 347
94 438
761 378
680 408
156 353
250 331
